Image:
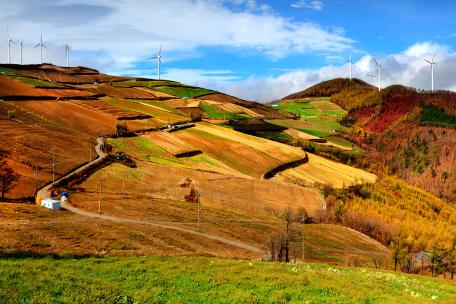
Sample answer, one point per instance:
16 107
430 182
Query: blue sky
260 50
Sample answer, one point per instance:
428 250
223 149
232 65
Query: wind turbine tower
10 41
22 45
159 62
351 63
41 45
431 62
67 53
379 74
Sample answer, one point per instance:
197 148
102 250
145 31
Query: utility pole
302 240
100 198
123 185
53 168
199 207
36 178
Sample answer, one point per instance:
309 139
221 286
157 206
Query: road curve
44 193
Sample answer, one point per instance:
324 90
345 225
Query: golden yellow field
305 136
232 108
323 171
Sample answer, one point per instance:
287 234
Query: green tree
451 258
399 249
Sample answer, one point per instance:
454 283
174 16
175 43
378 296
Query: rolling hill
249 165
50 113
331 87
411 133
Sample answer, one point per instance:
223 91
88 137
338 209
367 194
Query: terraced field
232 108
244 153
183 92
323 171
318 116
214 112
159 118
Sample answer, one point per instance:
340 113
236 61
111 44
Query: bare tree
193 196
289 218
378 261
7 177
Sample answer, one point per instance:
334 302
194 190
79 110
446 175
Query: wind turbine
379 74
67 53
158 57
22 45
10 41
41 45
351 63
431 62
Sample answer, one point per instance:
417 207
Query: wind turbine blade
427 61
375 61
151 58
160 50
433 58
45 46
7 33
36 46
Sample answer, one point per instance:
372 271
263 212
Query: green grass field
36 82
208 280
144 83
160 104
213 112
318 116
181 92
276 136
7 72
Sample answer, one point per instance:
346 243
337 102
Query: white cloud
407 68
423 48
315 4
127 31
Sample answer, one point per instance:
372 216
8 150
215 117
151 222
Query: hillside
208 280
53 117
331 87
408 132
63 110
189 171
411 133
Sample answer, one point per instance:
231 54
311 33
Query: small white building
51 204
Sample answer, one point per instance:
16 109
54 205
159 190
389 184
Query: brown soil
12 88
118 92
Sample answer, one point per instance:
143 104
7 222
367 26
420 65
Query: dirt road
44 193
123 220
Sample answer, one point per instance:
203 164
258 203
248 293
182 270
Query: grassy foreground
208 280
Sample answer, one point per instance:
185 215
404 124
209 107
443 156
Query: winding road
44 193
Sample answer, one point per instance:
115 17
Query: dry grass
323 171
